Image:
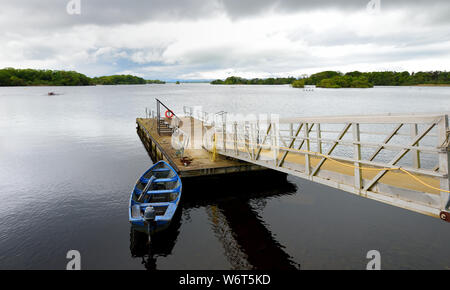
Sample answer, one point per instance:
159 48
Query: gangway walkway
402 160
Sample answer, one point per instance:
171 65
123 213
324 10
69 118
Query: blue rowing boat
155 198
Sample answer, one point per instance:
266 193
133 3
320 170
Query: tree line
31 77
355 79
333 79
241 81
155 82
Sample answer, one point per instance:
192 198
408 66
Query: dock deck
160 147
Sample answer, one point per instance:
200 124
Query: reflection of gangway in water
247 241
402 160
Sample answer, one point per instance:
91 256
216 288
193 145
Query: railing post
257 134
274 146
291 130
192 129
246 137
444 161
253 139
224 136
308 148
158 117
357 155
319 137
235 139
203 132
415 153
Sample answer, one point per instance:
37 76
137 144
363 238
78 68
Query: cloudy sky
208 39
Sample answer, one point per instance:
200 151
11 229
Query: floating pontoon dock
160 147
157 137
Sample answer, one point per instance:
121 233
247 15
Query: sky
210 39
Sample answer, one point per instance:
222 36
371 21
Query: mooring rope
214 149
352 166
369 168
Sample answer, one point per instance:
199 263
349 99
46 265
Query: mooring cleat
445 216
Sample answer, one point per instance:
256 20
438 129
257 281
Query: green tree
298 83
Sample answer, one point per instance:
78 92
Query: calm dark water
68 163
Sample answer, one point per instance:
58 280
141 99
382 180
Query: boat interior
161 186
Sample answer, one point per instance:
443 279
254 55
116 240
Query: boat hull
167 179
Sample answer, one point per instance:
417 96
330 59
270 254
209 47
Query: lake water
68 163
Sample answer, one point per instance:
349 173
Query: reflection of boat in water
161 246
232 206
155 198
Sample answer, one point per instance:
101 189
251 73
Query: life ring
169 114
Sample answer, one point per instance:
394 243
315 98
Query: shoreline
419 85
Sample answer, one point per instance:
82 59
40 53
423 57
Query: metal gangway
401 160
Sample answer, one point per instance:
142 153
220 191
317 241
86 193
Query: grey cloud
52 14
348 37
113 11
39 52
279 65
240 8
48 14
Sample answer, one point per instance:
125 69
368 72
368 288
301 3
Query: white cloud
270 43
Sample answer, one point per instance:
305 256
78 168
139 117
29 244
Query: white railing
209 119
397 159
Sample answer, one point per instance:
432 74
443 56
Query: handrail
209 118
159 102
158 115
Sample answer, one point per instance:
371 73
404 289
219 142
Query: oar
145 190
